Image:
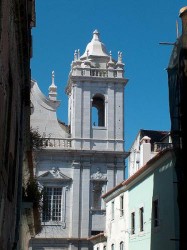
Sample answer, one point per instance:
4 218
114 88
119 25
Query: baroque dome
95 47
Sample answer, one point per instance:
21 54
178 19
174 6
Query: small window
141 211
112 247
155 213
112 212
52 204
121 245
104 247
98 111
133 223
121 206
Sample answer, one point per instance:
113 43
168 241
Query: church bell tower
96 99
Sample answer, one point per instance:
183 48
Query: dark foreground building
177 80
16 21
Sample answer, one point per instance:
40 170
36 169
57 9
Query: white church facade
84 159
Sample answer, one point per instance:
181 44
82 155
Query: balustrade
56 143
99 72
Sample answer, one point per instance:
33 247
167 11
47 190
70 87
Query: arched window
98 111
121 245
112 247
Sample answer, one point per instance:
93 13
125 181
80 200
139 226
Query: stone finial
78 54
53 88
75 55
96 35
87 63
53 77
119 57
110 55
110 65
120 65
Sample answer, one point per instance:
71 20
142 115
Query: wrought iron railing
159 146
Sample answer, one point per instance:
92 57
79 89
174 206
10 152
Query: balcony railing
56 143
96 72
159 146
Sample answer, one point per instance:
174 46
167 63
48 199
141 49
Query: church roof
95 47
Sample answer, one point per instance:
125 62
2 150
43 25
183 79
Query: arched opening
98 111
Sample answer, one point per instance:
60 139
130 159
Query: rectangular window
133 223
112 212
121 206
52 204
141 212
155 213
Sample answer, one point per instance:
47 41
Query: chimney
183 16
145 150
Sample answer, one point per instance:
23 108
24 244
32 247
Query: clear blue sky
133 27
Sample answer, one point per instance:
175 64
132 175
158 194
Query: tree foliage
36 140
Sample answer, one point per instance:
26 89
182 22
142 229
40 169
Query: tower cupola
95 47
96 98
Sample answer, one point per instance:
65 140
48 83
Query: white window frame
57 203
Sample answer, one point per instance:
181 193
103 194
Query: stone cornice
74 152
88 79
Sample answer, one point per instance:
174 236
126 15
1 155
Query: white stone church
84 159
